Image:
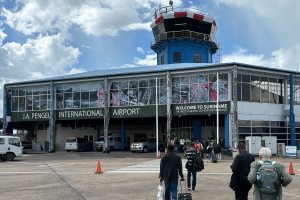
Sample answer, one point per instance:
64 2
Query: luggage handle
184 185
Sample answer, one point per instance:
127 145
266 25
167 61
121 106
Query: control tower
183 37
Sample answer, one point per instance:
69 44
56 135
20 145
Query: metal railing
183 34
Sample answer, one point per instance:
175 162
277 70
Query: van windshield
100 139
71 140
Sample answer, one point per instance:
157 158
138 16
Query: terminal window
197 58
176 56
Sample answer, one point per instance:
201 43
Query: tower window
162 60
197 58
176 56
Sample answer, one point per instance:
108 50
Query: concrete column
123 133
52 119
4 110
98 130
292 115
235 113
106 116
169 109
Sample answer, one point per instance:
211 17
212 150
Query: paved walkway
63 175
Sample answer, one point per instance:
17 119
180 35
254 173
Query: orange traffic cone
166 151
98 171
291 171
158 156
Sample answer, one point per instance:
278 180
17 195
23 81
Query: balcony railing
183 34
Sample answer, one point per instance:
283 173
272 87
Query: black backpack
198 164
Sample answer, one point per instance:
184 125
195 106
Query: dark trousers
190 173
171 190
242 189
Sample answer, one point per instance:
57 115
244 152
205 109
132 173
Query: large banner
200 108
124 112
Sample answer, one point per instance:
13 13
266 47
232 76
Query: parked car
26 145
146 144
114 142
78 144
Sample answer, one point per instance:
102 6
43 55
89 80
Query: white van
114 142
77 144
10 147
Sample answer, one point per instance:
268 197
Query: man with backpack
241 168
268 177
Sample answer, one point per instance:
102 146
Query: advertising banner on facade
124 112
200 108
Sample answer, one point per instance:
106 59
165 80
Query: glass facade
197 89
30 99
185 89
139 92
86 95
263 89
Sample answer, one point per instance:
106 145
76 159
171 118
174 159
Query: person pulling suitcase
170 166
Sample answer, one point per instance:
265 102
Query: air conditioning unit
270 142
253 144
281 149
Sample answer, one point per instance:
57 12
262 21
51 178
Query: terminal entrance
197 128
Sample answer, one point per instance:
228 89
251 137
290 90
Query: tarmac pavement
125 176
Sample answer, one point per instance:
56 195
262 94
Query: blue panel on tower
184 51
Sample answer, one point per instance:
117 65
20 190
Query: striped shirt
190 154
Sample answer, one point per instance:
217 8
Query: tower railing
183 34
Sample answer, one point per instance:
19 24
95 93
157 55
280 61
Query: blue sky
40 39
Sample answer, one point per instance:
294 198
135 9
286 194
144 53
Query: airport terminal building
184 86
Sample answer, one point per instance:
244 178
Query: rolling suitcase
214 158
184 196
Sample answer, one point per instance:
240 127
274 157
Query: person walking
210 150
190 155
241 168
176 141
283 178
170 166
182 143
218 151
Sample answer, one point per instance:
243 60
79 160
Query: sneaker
193 190
189 188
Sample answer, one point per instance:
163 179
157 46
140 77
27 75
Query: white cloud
76 71
138 26
94 17
124 66
280 17
148 61
284 58
38 58
2 36
140 49
288 58
241 56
